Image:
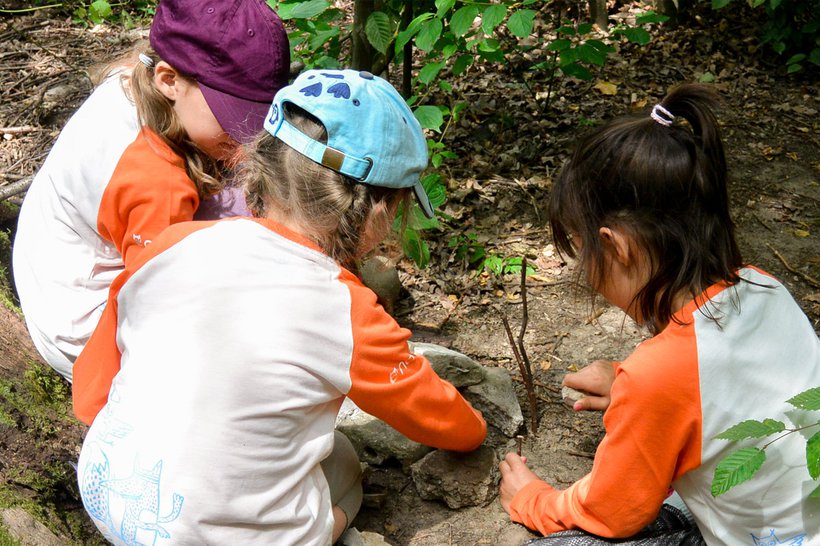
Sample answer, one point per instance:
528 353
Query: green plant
741 465
449 36
791 29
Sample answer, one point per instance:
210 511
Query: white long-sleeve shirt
238 342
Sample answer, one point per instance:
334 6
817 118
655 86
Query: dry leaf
802 233
607 88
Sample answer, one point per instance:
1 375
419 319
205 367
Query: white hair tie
146 60
662 115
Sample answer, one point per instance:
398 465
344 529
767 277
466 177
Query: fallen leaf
606 88
802 233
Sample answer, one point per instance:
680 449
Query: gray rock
570 395
457 368
28 531
495 398
459 479
374 440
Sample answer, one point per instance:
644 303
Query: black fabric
671 528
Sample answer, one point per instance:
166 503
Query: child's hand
595 380
514 476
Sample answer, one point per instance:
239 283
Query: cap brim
242 119
424 201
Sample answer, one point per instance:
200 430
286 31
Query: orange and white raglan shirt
239 340
671 396
105 191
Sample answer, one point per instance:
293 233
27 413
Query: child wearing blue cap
229 346
150 144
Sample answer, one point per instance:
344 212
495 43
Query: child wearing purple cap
241 337
150 144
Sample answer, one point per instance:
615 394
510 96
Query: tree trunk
362 52
598 13
407 70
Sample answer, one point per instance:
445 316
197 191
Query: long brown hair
663 183
156 112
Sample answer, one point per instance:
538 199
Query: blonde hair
156 112
331 207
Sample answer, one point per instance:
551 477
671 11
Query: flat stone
495 398
459 479
457 368
374 440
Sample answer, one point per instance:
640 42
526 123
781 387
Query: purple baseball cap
236 50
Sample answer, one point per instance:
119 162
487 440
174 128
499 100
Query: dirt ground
510 143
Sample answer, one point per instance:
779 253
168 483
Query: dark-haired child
642 203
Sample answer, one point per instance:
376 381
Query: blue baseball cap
372 135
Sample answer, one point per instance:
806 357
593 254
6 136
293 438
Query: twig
815 283
14 188
21 130
520 352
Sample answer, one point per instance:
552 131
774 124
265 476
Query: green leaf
461 64
813 456
429 117
429 34
321 37
591 55
651 17
436 191
569 31
415 248
492 17
636 35
736 468
814 56
379 31
600 46
447 87
495 264
584 28
807 400
707 77
101 9
444 6
558 45
462 20
578 71
429 72
718 4
302 10
520 22
412 29
792 68
751 429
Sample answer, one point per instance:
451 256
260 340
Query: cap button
250 32
210 10
366 75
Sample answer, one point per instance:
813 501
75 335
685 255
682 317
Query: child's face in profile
201 124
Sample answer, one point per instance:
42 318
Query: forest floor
510 142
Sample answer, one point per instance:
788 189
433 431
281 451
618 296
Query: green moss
6 539
7 297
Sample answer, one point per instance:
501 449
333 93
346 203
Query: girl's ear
165 80
618 243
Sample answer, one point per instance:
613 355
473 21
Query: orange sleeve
401 388
653 428
99 362
148 191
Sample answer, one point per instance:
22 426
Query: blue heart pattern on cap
339 90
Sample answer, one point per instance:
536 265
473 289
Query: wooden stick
800 274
